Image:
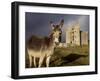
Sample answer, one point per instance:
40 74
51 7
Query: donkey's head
56 31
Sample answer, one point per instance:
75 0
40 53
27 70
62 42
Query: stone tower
73 35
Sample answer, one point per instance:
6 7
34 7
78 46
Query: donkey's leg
30 61
47 61
40 61
35 61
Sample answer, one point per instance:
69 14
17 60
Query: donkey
44 47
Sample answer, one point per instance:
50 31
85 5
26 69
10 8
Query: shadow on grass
72 57
63 61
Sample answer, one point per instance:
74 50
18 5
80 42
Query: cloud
84 23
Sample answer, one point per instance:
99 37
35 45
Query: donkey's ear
61 23
52 25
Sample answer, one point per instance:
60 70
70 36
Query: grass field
70 56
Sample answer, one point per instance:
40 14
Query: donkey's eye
53 25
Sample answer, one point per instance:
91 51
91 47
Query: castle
76 37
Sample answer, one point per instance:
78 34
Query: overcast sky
38 23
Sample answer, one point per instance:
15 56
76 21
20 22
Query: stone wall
84 38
